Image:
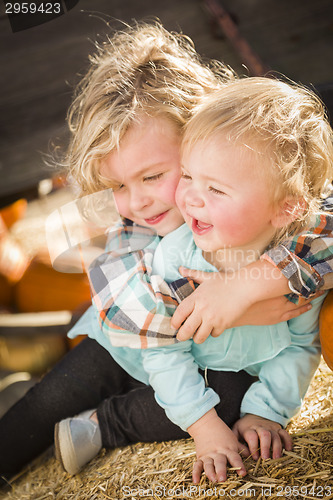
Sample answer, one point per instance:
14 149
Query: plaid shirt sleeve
134 307
307 259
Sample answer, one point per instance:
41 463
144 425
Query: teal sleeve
284 380
179 387
86 325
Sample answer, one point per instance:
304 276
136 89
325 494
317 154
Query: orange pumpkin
43 289
326 329
13 261
12 213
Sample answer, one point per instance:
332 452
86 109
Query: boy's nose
193 198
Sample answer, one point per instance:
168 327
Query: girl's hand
264 437
272 311
222 302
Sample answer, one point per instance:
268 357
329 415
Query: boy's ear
288 210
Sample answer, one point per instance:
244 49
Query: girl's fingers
216 333
293 313
182 312
188 329
197 276
202 333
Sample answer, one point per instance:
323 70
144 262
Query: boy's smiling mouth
200 227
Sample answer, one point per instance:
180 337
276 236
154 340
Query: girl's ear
288 211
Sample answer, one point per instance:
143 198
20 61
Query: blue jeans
87 377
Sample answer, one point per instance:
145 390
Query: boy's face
144 173
223 197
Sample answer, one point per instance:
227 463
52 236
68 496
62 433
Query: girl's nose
140 199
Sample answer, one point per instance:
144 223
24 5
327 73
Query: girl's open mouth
156 219
200 228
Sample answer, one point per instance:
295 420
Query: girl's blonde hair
142 69
285 125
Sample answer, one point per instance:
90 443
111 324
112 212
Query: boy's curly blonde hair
285 125
142 69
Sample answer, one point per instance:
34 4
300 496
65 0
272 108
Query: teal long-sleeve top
284 357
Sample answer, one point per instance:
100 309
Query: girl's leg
80 381
136 416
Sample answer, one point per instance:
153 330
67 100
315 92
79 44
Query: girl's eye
118 188
216 191
155 177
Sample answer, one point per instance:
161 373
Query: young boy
255 160
256 157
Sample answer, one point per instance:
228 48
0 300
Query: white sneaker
77 440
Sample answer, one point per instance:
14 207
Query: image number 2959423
24 15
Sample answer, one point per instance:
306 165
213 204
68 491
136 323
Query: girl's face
144 173
225 198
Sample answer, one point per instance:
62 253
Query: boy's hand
222 302
216 445
263 434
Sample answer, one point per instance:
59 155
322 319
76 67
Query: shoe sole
64 450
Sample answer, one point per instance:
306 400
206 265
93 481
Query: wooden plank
31 324
38 319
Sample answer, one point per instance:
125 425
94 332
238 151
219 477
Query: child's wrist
262 280
207 419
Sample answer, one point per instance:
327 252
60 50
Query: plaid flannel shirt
307 259
134 307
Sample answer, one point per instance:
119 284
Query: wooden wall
39 66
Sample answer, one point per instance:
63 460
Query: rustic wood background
40 66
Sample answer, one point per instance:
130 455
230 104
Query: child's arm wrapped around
306 260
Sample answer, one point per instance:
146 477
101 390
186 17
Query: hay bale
163 470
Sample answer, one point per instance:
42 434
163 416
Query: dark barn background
39 66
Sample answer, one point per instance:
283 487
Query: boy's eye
185 176
155 177
216 191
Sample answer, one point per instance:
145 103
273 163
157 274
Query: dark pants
87 377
